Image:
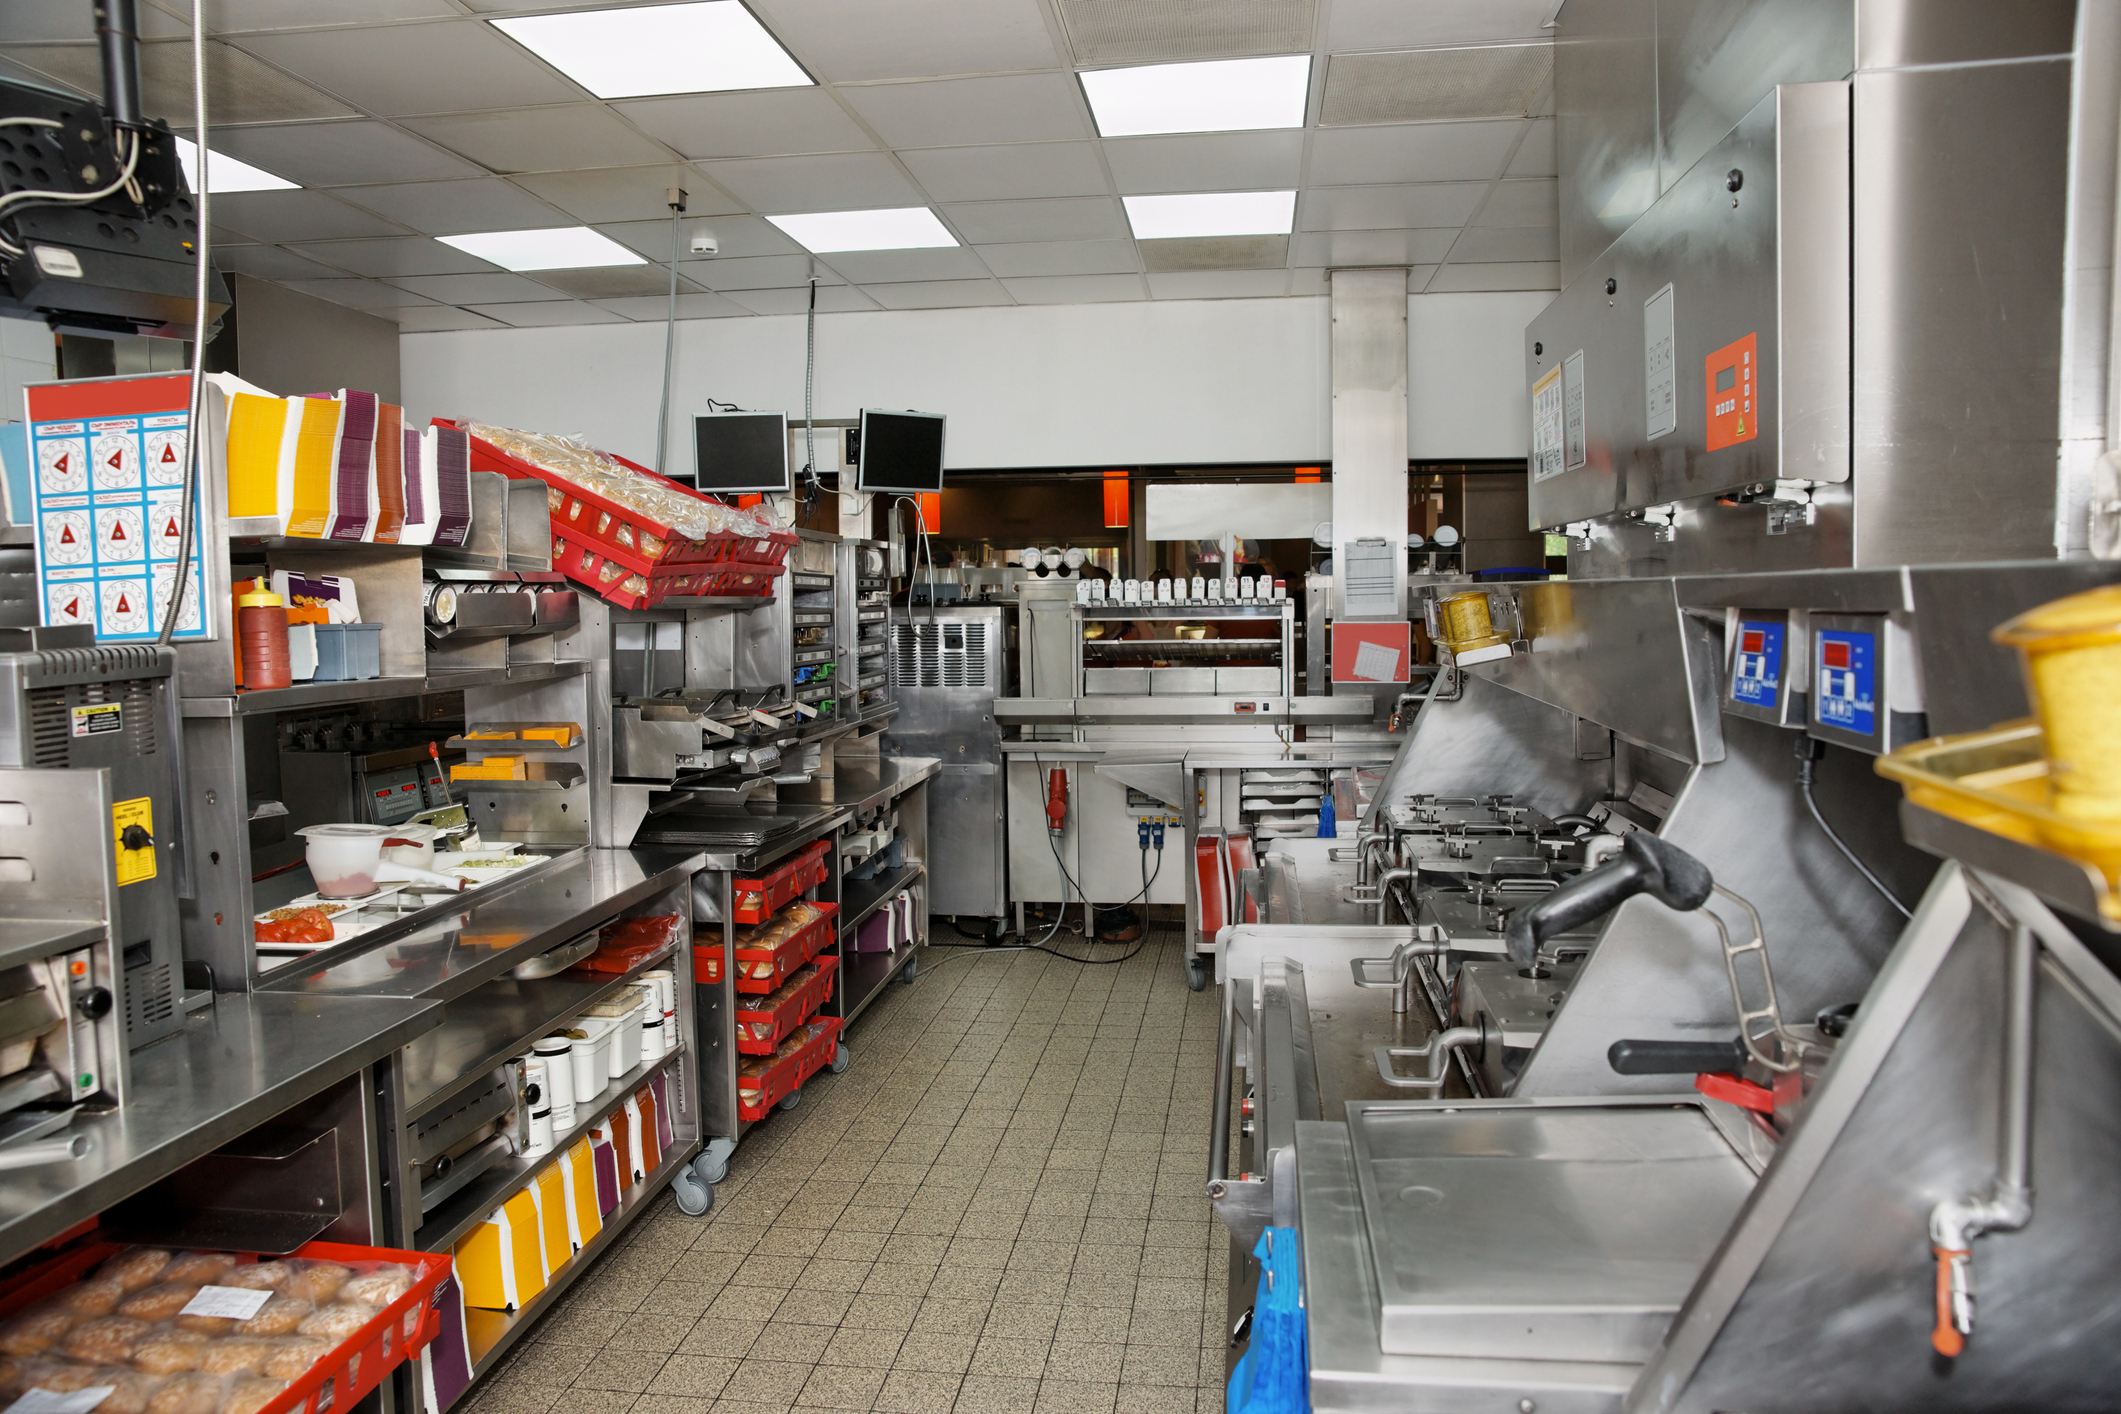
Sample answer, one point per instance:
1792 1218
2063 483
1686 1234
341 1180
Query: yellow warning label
134 865
98 717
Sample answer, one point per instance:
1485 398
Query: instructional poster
107 478
1546 426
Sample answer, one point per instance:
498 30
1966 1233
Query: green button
87 1079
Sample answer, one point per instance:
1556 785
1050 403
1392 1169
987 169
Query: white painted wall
1054 385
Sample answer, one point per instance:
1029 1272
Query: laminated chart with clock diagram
107 455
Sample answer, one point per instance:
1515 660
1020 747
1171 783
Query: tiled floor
996 1210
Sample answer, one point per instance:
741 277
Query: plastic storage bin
592 1057
624 1009
760 966
349 652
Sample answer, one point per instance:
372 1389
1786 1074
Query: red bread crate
354 1367
759 899
763 1024
764 1081
759 970
611 579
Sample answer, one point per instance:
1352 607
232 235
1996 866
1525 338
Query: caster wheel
795 1097
694 1198
1196 974
712 1166
841 1059
913 965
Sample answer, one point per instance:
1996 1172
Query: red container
761 970
353 1368
765 1081
762 1025
759 899
616 578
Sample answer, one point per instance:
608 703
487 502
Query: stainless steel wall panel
1901 34
1605 97
1716 59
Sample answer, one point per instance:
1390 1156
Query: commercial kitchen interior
1014 706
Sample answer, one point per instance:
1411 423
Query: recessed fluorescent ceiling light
1218 213
1225 96
228 175
894 228
559 248
648 49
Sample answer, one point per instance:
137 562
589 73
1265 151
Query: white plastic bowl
344 859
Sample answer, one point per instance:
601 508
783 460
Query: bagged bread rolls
188 1394
105 1340
236 1355
280 1315
339 1320
36 1330
380 1287
250 1393
292 1356
158 1303
258 1276
91 1298
202 1268
135 1267
169 1352
130 1393
316 1282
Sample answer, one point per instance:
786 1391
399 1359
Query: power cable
195 405
1808 752
670 330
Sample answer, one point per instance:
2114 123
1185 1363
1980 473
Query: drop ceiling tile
1308 280
1523 203
758 272
958 112
1080 218
1075 289
269 262
357 294
847 181
739 236
1388 208
237 16
499 287
30 21
437 318
648 310
452 208
600 194
1410 152
1039 258
402 255
1392 24
774 122
860 39
1025 169
939 294
547 314
1424 247
1461 279
1185 253
339 154
831 299
433 68
1206 162
298 215
1219 284
614 281
1132 32
873 267
553 139
1536 157
240 88
1481 244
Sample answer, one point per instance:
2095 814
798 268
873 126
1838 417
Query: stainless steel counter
484 939
234 1066
856 785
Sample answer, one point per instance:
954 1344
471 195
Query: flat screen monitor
740 451
900 451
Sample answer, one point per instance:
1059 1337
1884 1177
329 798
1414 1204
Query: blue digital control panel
1845 680
1756 670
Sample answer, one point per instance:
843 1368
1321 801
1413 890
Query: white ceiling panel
861 39
757 272
1219 284
1391 24
242 89
401 69
269 262
1466 279
648 310
542 139
1041 258
1523 203
1507 243
436 318
613 281
774 122
453 208
831 299
939 294
548 314
33 20
1535 158
1025 169
234 16
357 294
1075 289
1411 152
296 216
1206 162
499 287
339 154
1424 247
739 236
957 112
404 255
870 267
625 194
1149 31
1081 218
846 181
1388 208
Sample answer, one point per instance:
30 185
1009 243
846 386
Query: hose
189 512
1804 787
